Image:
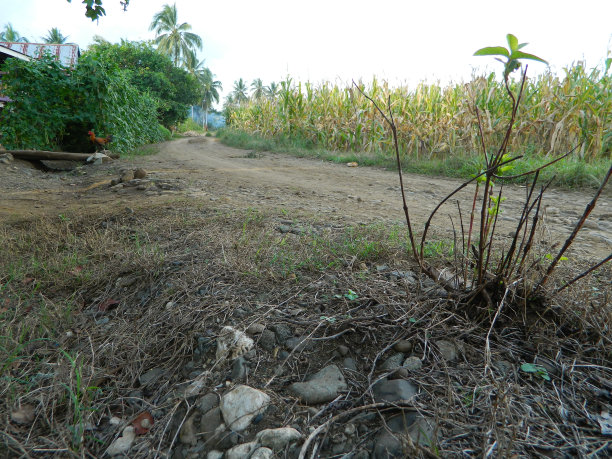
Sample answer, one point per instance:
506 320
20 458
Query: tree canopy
174 88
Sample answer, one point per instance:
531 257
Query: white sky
403 41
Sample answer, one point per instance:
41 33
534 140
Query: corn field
556 115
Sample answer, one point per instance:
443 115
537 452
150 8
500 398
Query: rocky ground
227 304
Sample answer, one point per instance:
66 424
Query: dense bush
54 107
174 89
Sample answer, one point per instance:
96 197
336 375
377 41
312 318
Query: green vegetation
11 35
130 90
439 123
173 88
52 107
54 36
94 9
172 39
569 172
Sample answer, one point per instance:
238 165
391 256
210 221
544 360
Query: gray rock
420 429
283 332
210 422
239 369
187 434
127 176
408 276
208 402
360 454
241 451
349 364
412 364
400 373
6 158
151 376
389 444
503 366
267 340
393 390
225 439
214 454
241 405
448 350
277 439
343 350
255 329
321 387
300 343
403 345
140 173
393 362
262 453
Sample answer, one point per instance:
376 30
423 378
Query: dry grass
179 273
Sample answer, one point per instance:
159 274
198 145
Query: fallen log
41 154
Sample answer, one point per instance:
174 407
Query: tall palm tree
55 36
210 92
258 89
11 35
171 38
272 90
239 94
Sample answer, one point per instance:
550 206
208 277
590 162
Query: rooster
100 142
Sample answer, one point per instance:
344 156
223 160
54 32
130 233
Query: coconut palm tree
271 91
171 38
258 89
239 94
208 85
11 35
55 36
210 92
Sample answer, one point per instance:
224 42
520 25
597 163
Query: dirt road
201 168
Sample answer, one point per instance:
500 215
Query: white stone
262 453
277 439
241 405
241 451
123 443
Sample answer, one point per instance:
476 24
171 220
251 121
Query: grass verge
568 173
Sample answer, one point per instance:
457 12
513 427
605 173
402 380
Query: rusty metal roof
68 54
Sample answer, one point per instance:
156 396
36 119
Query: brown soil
201 168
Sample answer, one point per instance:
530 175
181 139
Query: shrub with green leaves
53 107
174 89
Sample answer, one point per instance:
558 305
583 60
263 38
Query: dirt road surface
204 170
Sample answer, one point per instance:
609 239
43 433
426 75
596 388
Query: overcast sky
336 40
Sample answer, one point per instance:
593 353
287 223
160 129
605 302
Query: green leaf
522 45
537 369
492 51
512 42
522 55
